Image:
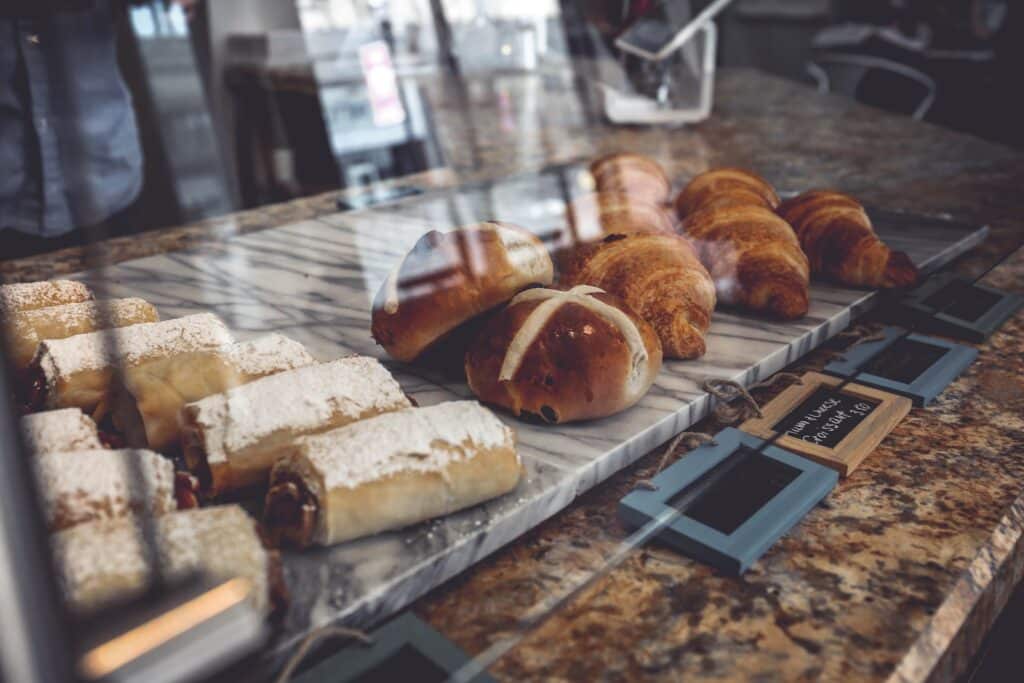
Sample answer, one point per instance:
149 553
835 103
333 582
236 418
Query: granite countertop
903 571
897 576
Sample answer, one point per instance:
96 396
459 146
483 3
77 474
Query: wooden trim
858 444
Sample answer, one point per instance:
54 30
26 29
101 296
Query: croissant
725 187
658 276
836 234
595 215
640 177
754 258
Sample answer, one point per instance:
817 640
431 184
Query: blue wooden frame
928 384
348 665
942 323
735 552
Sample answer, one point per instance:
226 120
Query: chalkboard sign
952 306
725 504
905 360
404 649
826 417
407 664
836 428
912 365
962 300
737 488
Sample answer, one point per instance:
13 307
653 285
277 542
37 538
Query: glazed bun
563 355
451 278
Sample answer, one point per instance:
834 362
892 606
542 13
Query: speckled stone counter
900 574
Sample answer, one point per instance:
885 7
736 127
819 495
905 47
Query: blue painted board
942 361
735 551
951 305
405 648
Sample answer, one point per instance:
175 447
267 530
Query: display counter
897 574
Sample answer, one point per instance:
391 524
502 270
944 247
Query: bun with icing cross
563 355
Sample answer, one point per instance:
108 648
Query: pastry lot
210 420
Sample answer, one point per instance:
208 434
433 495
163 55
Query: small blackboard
838 428
826 417
912 365
726 504
734 490
950 305
404 649
906 360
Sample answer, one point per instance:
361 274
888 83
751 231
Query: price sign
726 504
836 427
956 307
916 366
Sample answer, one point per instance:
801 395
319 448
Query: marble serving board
314 281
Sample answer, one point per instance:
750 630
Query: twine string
727 391
314 637
693 439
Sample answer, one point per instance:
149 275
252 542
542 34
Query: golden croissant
595 215
725 187
640 177
754 258
659 276
840 242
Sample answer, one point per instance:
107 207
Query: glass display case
480 346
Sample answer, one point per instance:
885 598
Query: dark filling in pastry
186 489
199 468
277 587
291 512
34 397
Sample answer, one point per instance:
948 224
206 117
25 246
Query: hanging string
791 377
695 439
727 391
314 637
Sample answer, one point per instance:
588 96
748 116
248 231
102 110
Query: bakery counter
870 584
896 576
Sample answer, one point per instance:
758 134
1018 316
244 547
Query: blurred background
243 103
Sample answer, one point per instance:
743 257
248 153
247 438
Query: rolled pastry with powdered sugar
104 562
231 440
57 431
389 472
148 397
26 329
25 296
84 486
78 372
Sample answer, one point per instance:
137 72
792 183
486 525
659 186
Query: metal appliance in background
666 65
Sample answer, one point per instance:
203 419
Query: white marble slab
314 281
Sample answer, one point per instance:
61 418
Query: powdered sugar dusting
101 561
62 358
268 354
301 400
56 431
28 295
81 486
96 313
415 439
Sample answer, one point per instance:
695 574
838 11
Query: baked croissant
640 177
836 234
660 277
754 258
593 216
725 187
